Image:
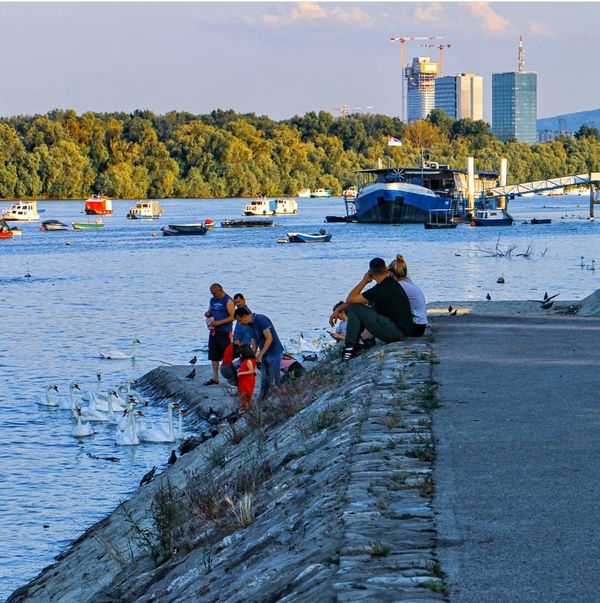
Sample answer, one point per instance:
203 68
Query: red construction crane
440 47
403 40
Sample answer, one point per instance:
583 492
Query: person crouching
246 377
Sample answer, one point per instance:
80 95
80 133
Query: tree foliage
224 153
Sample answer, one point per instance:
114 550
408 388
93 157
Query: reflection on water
108 286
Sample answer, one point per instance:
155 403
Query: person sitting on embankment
389 315
399 270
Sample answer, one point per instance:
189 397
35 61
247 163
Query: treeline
224 154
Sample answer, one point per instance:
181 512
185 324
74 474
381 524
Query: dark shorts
217 342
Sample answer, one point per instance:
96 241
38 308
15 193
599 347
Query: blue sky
281 59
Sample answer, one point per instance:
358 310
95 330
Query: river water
109 286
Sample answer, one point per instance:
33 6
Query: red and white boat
5 231
350 193
98 205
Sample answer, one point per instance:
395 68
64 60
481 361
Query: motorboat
540 221
301 237
21 211
145 210
98 223
304 193
5 230
49 225
258 207
320 192
282 207
491 217
209 224
350 193
176 230
98 205
245 223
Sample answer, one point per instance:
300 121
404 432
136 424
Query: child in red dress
246 376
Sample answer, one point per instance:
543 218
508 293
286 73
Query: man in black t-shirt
388 315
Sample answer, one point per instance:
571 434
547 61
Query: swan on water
47 399
118 355
161 433
180 434
92 413
81 429
128 436
69 402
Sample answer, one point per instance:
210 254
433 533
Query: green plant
393 420
423 453
435 586
241 511
166 518
426 486
214 454
378 549
323 419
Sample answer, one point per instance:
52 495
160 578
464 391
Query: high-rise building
460 96
514 103
421 88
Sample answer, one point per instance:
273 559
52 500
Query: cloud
306 12
540 29
429 12
488 18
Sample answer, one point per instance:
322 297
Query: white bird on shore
118 355
161 433
47 399
81 429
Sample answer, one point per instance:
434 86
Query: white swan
118 355
69 403
92 413
128 436
180 434
111 417
81 429
161 433
47 399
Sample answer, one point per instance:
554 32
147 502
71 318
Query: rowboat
98 223
245 223
5 230
301 237
177 230
48 225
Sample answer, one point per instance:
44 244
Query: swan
92 413
128 436
81 429
111 417
180 434
162 433
123 420
118 355
47 399
69 403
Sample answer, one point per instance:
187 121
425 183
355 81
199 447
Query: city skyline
281 59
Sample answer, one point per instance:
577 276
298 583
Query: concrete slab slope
517 476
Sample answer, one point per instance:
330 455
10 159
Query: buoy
154 233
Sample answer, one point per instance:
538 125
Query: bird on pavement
194 360
454 312
449 309
500 280
191 375
488 297
547 302
148 477
172 459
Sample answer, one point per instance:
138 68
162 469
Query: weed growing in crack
435 586
328 417
426 486
378 549
393 420
423 453
214 454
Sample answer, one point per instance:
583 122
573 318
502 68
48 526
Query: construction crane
403 40
440 47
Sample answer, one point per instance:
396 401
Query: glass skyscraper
460 96
514 106
421 88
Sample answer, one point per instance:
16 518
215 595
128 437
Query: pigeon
194 360
189 444
449 309
191 375
172 459
488 297
212 417
454 312
148 477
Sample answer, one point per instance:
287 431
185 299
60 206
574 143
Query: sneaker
348 352
368 342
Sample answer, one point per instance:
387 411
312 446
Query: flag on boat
394 142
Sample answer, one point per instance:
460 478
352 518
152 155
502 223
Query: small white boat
350 193
258 207
285 206
321 192
304 193
21 211
145 210
492 217
302 237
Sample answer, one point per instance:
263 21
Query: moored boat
320 192
258 207
540 221
5 230
301 237
98 223
304 193
282 207
145 210
491 217
21 211
440 220
209 224
245 223
98 205
174 230
50 225
350 193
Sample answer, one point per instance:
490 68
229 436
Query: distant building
421 88
514 106
460 96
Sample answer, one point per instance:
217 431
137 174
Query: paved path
517 475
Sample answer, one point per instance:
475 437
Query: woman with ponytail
418 306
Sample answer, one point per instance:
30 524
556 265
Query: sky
282 58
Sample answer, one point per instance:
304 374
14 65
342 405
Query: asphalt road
517 473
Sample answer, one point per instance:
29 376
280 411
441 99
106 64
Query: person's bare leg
215 366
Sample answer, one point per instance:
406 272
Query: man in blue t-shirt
220 322
270 350
241 333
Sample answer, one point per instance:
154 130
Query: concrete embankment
324 494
